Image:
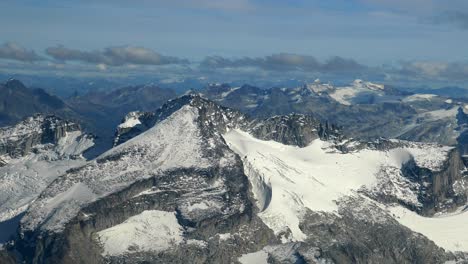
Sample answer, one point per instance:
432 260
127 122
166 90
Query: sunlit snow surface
345 95
131 120
449 232
259 257
301 177
419 97
286 179
151 230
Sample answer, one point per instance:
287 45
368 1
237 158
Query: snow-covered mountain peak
360 84
318 87
185 140
211 115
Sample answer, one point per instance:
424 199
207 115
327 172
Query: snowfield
287 180
345 95
419 97
440 114
151 230
449 231
259 257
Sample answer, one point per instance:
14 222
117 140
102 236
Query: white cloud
14 51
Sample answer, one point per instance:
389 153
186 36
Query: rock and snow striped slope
174 143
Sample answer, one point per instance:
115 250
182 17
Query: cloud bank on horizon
391 40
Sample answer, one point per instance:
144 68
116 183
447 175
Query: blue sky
429 33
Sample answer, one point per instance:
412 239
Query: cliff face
19 140
441 190
295 129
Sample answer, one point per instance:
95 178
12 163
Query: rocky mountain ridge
363 112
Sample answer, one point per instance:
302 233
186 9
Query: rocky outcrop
78 243
19 140
364 233
133 124
294 129
437 190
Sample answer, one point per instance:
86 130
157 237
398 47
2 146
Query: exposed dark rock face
365 234
437 189
294 129
462 121
19 140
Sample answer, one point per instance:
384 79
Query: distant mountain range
18 102
366 110
98 112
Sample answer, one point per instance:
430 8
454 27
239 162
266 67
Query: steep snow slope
447 231
288 180
173 143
